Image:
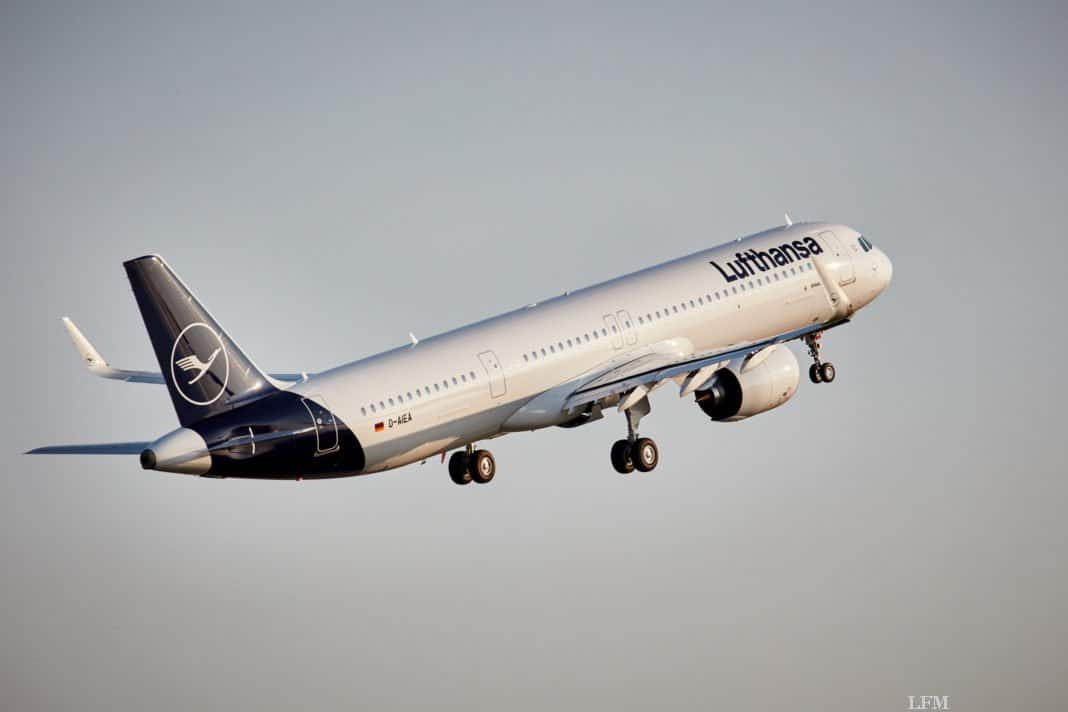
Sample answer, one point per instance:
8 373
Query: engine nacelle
740 391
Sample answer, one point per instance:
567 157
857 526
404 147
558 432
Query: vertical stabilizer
205 371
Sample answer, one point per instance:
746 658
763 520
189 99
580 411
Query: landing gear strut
469 465
819 371
635 453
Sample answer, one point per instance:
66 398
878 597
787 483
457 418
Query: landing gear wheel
645 454
481 466
814 374
827 371
458 468
621 458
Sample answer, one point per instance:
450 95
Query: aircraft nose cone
885 269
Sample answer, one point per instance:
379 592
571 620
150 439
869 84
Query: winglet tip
84 348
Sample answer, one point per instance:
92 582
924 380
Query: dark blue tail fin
205 371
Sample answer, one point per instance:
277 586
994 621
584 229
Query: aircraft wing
99 367
636 378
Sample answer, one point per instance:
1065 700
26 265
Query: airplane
714 323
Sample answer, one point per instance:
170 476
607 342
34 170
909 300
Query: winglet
96 363
86 350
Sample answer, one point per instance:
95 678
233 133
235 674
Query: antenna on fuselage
789 222
413 339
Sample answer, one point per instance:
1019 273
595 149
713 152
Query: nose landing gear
819 371
471 465
635 453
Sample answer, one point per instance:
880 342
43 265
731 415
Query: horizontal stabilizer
132 448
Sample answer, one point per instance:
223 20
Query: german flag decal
379 427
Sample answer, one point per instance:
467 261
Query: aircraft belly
439 436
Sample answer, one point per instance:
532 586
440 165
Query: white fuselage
474 382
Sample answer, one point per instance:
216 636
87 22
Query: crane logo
193 363
196 353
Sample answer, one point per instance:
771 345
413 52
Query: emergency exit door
494 372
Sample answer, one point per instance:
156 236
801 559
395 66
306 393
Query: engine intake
742 390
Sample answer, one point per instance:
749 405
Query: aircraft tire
458 470
814 374
621 458
482 467
827 371
645 454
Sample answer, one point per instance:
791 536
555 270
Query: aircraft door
625 322
846 274
612 328
326 439
496 374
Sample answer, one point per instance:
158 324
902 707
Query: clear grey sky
328 179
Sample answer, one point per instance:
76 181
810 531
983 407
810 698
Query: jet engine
746 388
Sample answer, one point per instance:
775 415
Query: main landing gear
819 371
469 465
635 453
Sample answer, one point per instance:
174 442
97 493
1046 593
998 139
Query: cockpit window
864 243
